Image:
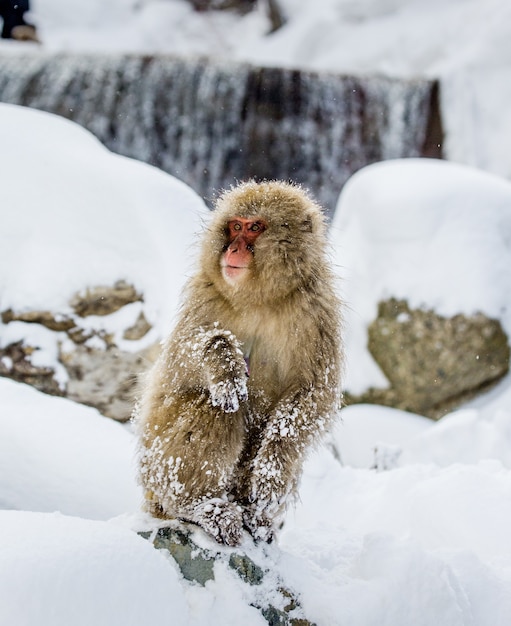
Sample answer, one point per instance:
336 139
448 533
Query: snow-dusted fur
223 442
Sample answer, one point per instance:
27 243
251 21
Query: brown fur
219 448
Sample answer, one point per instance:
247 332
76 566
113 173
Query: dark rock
435 363
275 617
197 565
241 6
246 568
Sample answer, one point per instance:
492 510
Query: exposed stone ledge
99 373
197 564
434 363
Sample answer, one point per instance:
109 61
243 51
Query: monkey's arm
294 425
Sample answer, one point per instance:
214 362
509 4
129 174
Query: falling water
211 124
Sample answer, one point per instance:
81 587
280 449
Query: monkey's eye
236 226
255 228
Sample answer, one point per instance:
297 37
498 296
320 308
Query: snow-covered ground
425 542
464 43
421 539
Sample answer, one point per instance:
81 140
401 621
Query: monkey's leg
188 466
277 463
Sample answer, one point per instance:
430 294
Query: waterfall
214 123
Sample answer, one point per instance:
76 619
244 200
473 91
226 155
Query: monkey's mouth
233 273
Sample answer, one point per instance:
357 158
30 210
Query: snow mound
433 233
74 215
64 570
56 455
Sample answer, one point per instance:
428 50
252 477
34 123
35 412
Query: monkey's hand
221 519
226 373
228 394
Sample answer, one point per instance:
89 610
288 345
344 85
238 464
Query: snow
66 570
426 542
74 185
413 526
46 445
82 198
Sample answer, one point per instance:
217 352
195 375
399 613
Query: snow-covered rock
428 232
86 220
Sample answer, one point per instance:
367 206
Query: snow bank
58 570
431 232
56 455
416 544
426 542
74 215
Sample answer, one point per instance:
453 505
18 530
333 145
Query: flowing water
211 124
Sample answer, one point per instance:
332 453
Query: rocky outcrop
104 378
278 605
434 363
16 363
96 370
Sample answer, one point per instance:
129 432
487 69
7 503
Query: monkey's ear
306 225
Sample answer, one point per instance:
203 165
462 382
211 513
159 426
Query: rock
139 329
246 569
104 378
15 363
435 363
100 374
104 300
241 6
45 318
197 565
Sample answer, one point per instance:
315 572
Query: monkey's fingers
220 519
229 394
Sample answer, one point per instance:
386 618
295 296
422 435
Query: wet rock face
241 6
212 123
435 363
94 370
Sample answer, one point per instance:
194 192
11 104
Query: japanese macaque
249 379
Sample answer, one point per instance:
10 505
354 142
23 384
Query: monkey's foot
259 524
221 519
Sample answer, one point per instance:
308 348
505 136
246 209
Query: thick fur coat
249 379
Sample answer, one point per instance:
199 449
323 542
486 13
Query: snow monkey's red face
241 236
